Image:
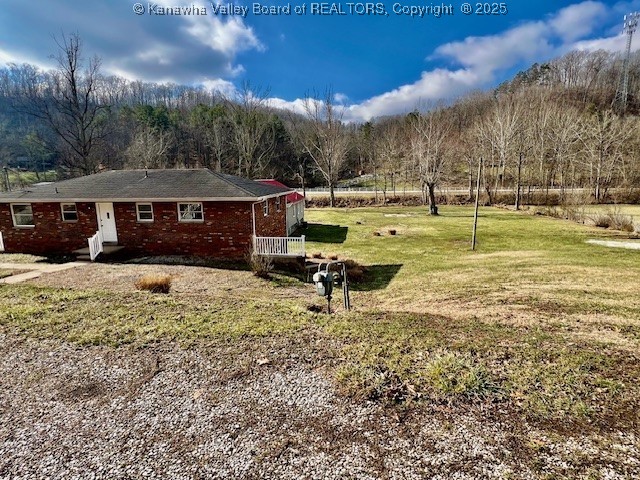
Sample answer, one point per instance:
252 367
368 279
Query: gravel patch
214 412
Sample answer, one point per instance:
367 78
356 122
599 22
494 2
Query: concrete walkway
34 270
615 244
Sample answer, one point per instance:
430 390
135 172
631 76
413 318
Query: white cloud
226 36
432 86
226 88
340 98
478 60
296 106
494 52
612 44
578 21
229 37
6 57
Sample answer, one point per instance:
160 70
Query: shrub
377 234
392 231
316 255
622 222
154 283
601 220
261 265
613 219
332 256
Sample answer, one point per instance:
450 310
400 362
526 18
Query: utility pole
619 104
475 213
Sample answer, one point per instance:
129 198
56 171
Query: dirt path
34 270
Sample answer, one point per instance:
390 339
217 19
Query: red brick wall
225 233
274 224
50 235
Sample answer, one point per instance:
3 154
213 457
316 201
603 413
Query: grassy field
30 177
535 322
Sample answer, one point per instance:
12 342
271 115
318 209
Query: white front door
107 222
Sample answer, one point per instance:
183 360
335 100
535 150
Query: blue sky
375 64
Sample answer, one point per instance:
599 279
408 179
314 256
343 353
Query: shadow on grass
376 277
318 232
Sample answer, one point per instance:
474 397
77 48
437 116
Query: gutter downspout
253 217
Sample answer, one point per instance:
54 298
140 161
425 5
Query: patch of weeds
458 374
560 383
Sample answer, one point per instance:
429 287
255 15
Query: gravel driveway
258 412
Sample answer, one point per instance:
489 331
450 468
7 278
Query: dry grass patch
154 283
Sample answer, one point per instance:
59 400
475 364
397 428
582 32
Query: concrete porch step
83 253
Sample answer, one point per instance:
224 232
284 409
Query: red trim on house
292 197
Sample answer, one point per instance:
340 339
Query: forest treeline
551 126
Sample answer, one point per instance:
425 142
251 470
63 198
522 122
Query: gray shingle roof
131 185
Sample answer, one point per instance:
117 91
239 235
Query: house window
190 212
265 207
69 212
22 215
144 212
278 204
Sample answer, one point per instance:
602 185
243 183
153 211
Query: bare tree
389 151
499 130
603 135
254 134
324 138
428 137
148 148
67 103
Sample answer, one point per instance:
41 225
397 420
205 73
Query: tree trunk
433 208
518 183
470 182
332 195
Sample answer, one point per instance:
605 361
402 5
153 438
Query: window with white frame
144 212
265 207
190 212
22 215
278 204
69 212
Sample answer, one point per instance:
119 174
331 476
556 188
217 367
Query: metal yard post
475 213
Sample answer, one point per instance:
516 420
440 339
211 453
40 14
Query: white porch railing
95 245
279 246
1 243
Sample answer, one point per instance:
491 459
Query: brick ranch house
150 212
295 205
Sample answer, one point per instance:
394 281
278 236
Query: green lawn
534 322
535 315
